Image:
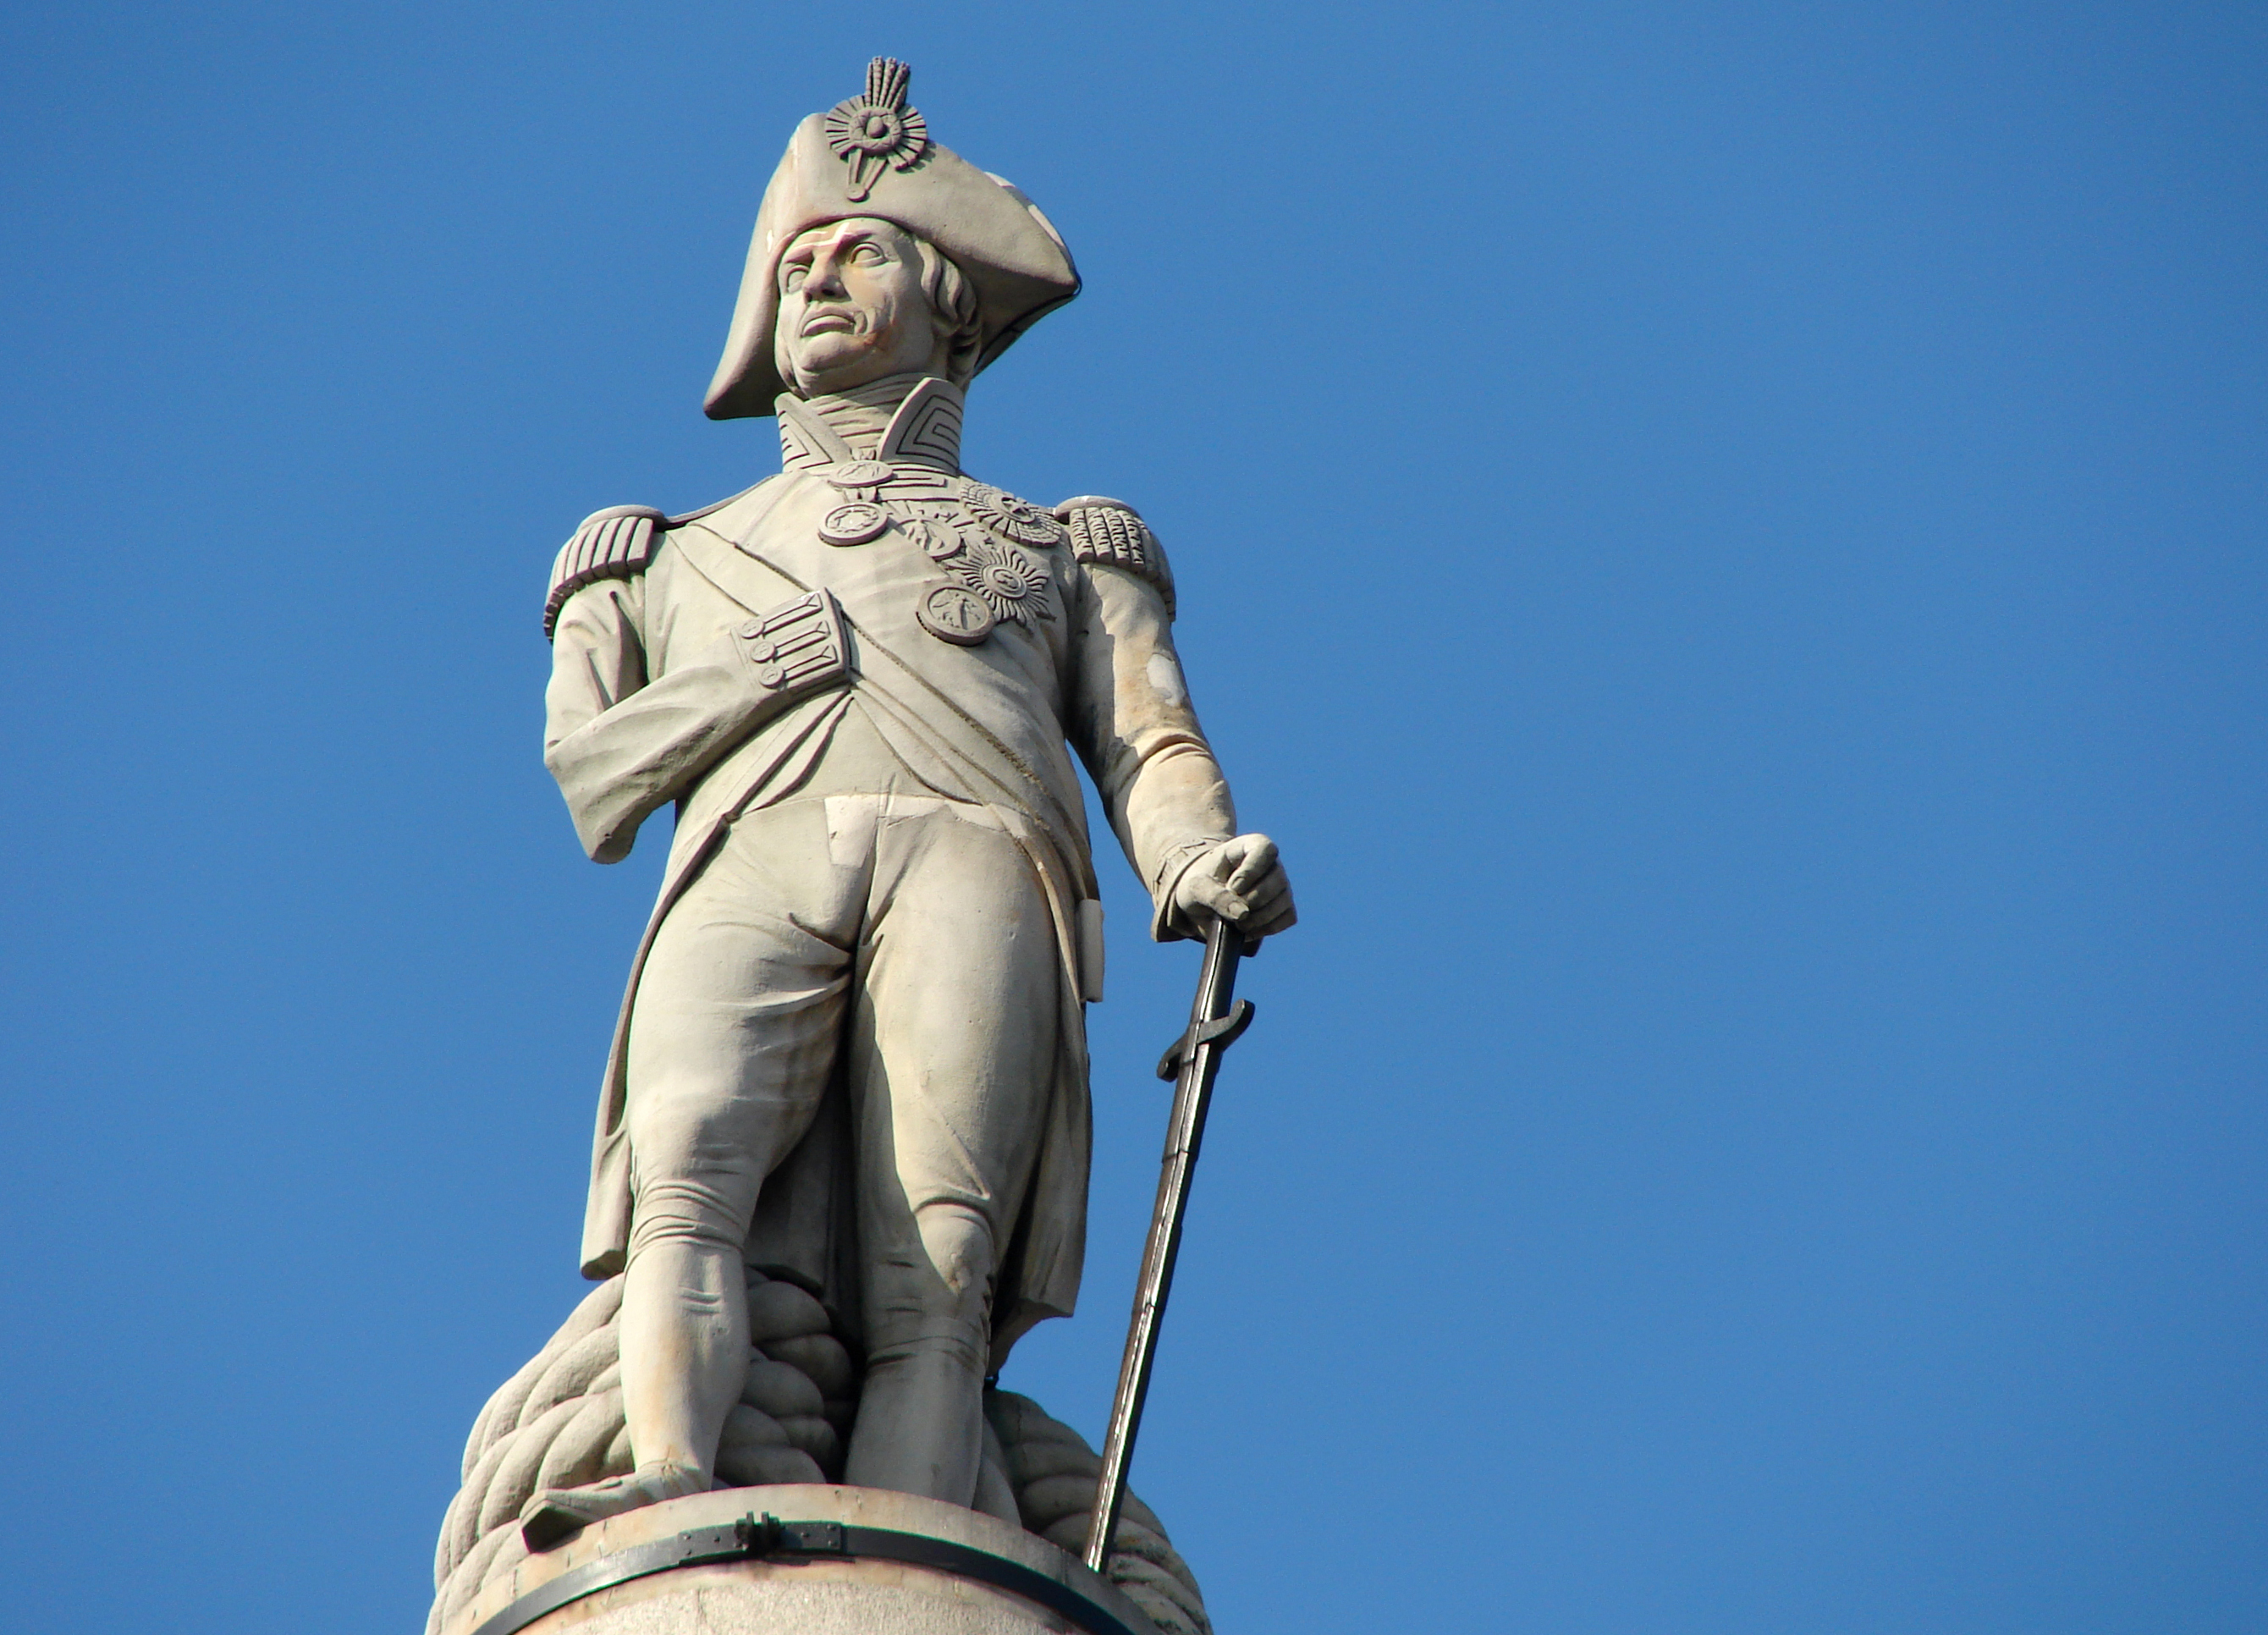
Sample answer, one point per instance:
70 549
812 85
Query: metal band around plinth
768 1539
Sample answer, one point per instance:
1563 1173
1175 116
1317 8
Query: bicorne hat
872 156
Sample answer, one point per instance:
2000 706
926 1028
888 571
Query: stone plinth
820 1591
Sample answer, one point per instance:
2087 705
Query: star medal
1010 584
1017 519
956 614
853 522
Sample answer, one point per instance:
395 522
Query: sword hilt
1221 1032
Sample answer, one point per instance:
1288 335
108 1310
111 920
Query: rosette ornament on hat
872 156
878 129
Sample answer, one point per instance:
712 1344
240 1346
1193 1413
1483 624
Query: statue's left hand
1242 881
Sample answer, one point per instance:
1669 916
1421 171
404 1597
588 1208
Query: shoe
553 1512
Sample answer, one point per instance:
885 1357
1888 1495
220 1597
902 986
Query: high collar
905 420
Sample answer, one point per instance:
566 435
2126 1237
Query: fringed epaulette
1111 532
615 543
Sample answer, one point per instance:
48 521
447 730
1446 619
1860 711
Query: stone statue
851 1057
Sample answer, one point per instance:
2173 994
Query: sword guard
1221 1032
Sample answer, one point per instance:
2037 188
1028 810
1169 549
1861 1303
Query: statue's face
851 308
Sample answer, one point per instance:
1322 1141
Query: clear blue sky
1726 541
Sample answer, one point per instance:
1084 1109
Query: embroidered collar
904 420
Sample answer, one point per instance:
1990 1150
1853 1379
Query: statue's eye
869 255
791 276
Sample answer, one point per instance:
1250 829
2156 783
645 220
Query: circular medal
853 523
859 474
956 614
1004 513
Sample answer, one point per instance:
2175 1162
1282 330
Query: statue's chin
839 362
838 367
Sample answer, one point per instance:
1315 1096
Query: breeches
915 949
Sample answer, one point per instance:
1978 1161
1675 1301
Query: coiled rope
558 1423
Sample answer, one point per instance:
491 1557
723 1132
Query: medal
853 522
1010 584
956 614
858 474
1004 514
938 540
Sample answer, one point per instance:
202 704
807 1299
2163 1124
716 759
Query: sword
1191 1062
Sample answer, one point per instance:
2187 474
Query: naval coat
669 684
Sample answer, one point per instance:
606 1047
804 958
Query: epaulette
1112 532
615 543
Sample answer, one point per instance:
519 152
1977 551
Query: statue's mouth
829 323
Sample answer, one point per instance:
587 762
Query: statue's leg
732 1037
953 1058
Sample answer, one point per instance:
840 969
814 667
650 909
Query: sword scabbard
1216 1020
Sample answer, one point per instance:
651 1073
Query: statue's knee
687 1212
932 1294
681 1123
958 1241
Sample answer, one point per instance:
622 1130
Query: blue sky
1725 541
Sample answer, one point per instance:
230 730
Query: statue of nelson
852 1050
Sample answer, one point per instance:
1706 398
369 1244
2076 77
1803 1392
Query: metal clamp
771 1536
